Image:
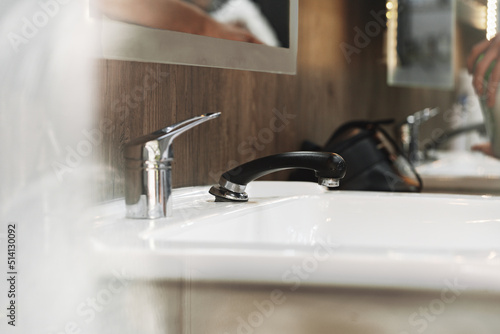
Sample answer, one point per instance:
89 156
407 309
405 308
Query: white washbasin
461 171
331 237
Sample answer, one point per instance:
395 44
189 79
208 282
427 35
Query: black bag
374 161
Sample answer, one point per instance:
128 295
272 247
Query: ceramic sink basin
291 230
465 172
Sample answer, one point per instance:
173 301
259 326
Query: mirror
428 44
421 43
429 39
253 35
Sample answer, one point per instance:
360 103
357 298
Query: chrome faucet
329 168
410 133
148 170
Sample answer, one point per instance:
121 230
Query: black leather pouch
374 161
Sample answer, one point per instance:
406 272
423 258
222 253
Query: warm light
491 18
392 25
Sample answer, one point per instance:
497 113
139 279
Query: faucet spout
329 168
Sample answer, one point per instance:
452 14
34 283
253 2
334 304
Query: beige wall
327 91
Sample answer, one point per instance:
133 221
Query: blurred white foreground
45 95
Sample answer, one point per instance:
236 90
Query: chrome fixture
410 130
148 170
435 143
329 168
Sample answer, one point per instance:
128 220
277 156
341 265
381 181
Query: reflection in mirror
265 21
421 43
429 39
173 31
429 43
254 21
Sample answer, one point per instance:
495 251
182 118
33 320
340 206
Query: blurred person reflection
483 59
177 15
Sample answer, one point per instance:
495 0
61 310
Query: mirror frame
130 42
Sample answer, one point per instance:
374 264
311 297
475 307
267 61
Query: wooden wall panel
138 98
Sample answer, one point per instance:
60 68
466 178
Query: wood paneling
138 98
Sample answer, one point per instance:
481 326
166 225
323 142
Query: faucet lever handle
174 130
422 115
157 145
